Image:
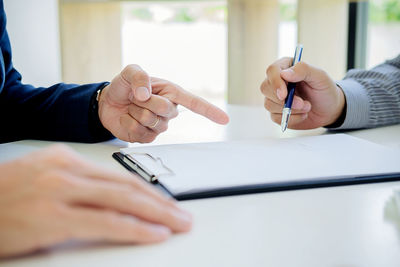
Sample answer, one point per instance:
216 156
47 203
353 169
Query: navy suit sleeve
60 112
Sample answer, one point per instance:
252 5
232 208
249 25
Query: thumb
301 72
139 82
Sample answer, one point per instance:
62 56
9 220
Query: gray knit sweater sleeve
372 96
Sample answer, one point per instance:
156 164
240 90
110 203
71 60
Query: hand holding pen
287 109
317 100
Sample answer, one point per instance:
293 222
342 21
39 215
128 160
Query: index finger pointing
200 106
179 96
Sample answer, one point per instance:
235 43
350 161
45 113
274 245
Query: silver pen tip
285 119
283 127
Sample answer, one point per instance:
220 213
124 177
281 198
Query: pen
287 109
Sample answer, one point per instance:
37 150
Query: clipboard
155 169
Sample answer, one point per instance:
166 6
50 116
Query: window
186 42
183 42
383 31
287 28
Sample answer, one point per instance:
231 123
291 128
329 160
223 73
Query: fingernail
142 93
278 94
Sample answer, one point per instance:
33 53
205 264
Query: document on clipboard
201 170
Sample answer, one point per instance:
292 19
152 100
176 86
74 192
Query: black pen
291 87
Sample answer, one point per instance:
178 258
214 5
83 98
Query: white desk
337 226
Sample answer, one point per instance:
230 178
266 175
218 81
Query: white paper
225 164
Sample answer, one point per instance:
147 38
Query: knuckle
275 118
270 68
59 209
175 112
286 59
163 127
132 67
140 75
167 216
262 86
323 73
142 131
165 108
159 212
110 219
302 64
301 67
49 207
147 117
131 138
133 128
46 180
143 138
62 148
174 115
149 137
58 149
62 161
141 233
41 206
132 109
53 181
266 87
194 104
61 155
267 104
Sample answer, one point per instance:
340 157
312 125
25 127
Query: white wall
33 27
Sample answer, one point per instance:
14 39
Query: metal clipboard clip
147 166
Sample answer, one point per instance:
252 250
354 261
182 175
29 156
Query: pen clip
297 54
150 171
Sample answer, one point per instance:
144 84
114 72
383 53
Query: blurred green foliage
183 15
215 11
287 11
142 13
380 11
384 11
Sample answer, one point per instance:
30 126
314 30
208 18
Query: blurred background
216 49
